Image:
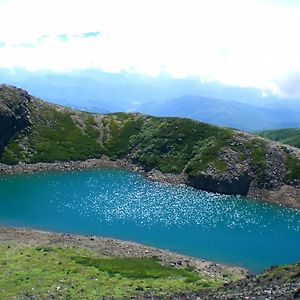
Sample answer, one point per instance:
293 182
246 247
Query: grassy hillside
289 136
61 134
203 152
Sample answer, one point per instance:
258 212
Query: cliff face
206 157
14 113
235 186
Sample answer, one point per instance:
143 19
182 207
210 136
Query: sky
247 43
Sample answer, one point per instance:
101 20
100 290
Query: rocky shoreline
283 195
94 163
23 168
113 247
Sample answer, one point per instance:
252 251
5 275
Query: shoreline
93 163
284 196
105 246
61 166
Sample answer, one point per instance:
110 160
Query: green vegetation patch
284 272
292 169
45 272
136 268
168 144
258 150
91 127
207 153
117 144
92 131
289 136
56 137
12 153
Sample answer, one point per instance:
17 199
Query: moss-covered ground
284 272
168 144
52 272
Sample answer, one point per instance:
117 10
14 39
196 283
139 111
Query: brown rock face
14 113
236 186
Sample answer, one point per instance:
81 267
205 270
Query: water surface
122 204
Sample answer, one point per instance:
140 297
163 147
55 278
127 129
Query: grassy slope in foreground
289 136
63 273
43 265
212 158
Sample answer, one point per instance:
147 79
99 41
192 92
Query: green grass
136 268
71 273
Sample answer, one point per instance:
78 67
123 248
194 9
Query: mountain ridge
103 92
223 113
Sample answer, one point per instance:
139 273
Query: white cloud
237 42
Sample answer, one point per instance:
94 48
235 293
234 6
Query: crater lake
121 204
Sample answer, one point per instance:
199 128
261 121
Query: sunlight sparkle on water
122 204
168 205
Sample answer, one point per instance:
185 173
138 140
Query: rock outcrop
233 186
14 113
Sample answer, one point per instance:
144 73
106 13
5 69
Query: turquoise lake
122 204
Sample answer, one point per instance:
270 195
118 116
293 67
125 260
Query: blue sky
236 42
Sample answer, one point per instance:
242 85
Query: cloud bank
236 42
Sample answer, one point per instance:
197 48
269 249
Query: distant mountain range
224 113
97 91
